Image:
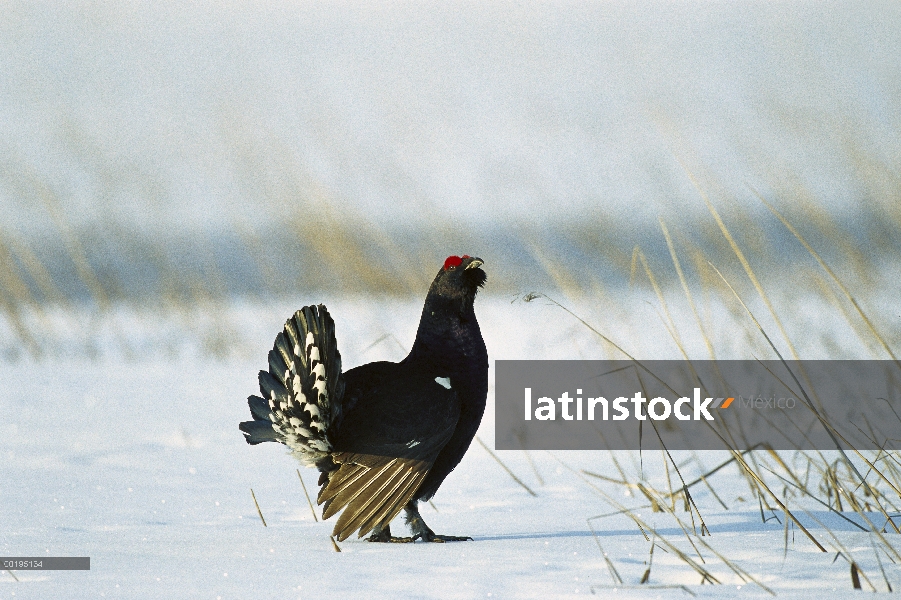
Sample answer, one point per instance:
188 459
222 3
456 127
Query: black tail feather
259 408
302 390
257 432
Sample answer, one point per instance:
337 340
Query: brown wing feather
371 501
346 477
371 489
367 484
389 509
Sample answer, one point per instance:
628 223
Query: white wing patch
443 382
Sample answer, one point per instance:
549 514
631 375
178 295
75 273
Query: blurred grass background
177 159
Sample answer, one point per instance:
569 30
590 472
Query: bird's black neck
448 341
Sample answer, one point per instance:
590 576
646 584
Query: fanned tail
302 389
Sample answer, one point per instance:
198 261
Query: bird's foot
423 532
384 535
440 539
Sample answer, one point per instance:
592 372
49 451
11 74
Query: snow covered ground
138 463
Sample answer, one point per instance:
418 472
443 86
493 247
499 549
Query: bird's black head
448 338
459 278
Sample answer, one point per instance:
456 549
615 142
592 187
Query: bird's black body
385 435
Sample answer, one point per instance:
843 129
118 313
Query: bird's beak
476 262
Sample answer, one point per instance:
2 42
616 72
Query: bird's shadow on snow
744 522
533 536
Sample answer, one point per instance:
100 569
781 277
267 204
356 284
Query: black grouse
384 435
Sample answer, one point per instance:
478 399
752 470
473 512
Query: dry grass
855 485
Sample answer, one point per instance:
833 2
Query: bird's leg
383 534
421 530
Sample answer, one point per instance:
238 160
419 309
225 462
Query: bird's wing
371 489
302 390
387 446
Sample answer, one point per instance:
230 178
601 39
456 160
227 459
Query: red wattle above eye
453 261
